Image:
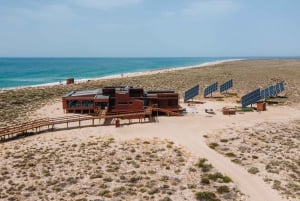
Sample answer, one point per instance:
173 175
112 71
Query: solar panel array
280 87
272 90
210 89
227 85
191 93
265 93
251 98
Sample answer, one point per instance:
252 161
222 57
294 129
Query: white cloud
168 13
210 8
55 13
105 4
204 8
52 12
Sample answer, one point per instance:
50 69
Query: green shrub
230 154
218 175
104 193
204 166
223 189
223 140
206 196
213 145
205 181
166 199
226 179
253 170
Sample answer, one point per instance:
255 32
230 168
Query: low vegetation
270 150
96 168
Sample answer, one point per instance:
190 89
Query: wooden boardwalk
48 124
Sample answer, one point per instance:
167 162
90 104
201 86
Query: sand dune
193 133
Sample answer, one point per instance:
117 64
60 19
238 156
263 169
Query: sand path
188 131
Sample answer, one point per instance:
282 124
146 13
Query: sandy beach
251 156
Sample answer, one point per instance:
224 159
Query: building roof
101 97
159 91
84 93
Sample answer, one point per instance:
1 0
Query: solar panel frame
281 84
251 98
263 94
277 87
210 89
272 90
280 87
227 85
191 93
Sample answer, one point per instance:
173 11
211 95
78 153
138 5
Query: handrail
43 122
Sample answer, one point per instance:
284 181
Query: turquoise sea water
22 72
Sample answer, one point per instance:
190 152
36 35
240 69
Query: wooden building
120 100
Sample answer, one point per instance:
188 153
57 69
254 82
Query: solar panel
227 85
280 87
277 88
265 93
210 89
191 93
272 90
251 98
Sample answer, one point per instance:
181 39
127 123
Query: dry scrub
268 150
102 169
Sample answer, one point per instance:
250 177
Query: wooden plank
38 124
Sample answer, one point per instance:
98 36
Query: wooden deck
76 121
166 112
66 122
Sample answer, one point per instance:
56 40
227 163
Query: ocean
24 72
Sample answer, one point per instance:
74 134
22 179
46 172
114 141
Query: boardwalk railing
47 124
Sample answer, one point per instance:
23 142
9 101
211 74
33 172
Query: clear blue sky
146 28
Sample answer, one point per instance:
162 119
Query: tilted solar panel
191 93
263 94
280 87
277 88
227 85
281 84
272 90
251 98
210 89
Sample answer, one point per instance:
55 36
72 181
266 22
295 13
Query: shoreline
125 75
247 75
243 144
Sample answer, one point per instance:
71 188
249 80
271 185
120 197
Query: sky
149 28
